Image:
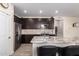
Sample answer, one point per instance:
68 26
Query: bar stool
47 50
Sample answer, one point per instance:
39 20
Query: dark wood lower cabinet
26 38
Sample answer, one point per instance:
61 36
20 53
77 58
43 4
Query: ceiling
48 9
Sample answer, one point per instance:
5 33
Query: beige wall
68 30
10 12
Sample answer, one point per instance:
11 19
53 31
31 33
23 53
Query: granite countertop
54 40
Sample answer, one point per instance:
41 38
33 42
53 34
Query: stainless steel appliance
17 35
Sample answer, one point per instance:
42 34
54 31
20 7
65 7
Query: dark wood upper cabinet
37 23
17 19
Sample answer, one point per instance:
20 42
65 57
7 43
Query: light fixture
42 26
25 11
56 11
76 24
41 11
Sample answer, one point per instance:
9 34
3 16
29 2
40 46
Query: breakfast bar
39 41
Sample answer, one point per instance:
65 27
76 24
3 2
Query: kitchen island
38 41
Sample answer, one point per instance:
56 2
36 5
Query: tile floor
24 50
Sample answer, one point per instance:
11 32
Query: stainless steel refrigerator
17 35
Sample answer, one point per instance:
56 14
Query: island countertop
54 40
38 41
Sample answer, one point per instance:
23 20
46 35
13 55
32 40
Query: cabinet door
5 39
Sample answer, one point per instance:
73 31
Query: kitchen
47 29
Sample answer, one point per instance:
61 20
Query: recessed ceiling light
25 11
56 11
41 11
